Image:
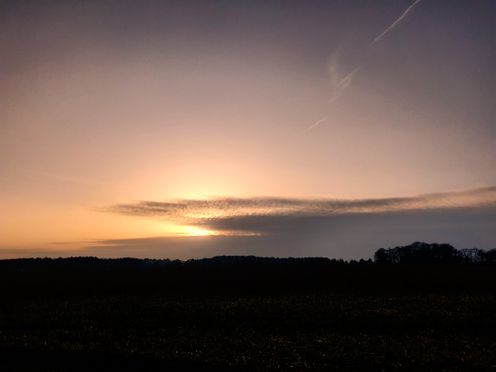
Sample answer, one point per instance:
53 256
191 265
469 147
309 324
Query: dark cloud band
269 215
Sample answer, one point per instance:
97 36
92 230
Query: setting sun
194 231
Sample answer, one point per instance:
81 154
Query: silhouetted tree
381 256
418 253
490 256
471 255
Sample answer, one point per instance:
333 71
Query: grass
448 327
301 332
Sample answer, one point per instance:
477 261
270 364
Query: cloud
11 253
345 236
334 74
338 84
269 214
335 228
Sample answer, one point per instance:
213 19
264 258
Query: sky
183 129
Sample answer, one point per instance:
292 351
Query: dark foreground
252 315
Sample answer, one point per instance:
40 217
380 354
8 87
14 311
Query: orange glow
194 231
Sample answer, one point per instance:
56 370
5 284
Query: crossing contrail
343 84
339 85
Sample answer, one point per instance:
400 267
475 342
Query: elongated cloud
334 74
396 23
255 213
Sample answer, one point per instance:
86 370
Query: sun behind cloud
194 231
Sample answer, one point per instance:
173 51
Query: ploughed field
135 315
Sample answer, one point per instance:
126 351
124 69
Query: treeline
416 253
425 253
421 268
220 262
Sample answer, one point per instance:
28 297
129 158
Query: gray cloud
269 214
348 236
302 227
340 228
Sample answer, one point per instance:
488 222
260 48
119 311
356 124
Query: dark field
246 315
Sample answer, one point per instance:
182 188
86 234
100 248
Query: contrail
343 84
346 81
339 85
395 23
316 124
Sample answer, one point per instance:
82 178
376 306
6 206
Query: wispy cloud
334 73
396 23
338 82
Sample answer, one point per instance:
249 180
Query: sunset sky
181 129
